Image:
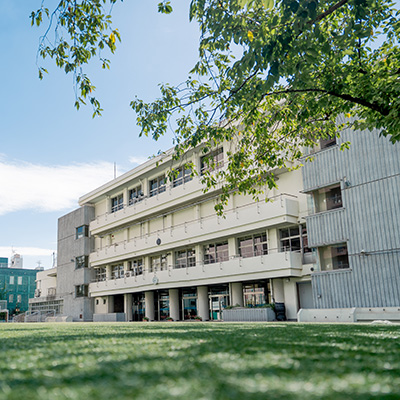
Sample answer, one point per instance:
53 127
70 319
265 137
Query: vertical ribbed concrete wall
369 222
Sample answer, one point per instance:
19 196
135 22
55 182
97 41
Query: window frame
158 263
327 143
117 203
213 256
136 266
342 266
255 252
157 185
184 175
81 262
82 290
212 161
135 195
101 274
117 271
185 258
330 202
82 231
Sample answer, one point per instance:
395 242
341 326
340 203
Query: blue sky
50 154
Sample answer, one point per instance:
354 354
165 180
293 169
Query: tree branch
357 100
328 11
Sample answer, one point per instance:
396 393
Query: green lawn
199 361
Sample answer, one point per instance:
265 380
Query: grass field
199 361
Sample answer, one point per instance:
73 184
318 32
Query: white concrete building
161 251
46 299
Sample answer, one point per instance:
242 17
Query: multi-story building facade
64 289
161 251
46 299
355 221
17 286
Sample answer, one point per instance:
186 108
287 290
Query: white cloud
138 160
48 188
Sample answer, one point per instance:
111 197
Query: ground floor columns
174 304
149 305
278 292
203 303
237 294
128 306
110 304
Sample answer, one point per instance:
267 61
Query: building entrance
217 304
161 309
189 303
138 307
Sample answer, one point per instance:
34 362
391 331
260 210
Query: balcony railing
291 259
277 206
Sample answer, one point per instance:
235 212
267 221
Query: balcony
326 227
172 196
281 210
272 265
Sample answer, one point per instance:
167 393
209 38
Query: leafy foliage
272 77
199 361
81 30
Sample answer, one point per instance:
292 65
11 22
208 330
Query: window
185 258
182 175
255 245
11 280
157 185
217 252
101 274
334 257
136 266
97 302
257 294
117 271
81 290
11 298
158 263
20 280
81 262
212 161
328 198
328 142
82 231
290 239
135 195
117 203
104 301
19 298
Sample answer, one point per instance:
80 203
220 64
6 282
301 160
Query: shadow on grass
200 361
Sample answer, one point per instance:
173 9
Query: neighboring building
355 221
3 262
160 249
18 286
46 299
16 261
